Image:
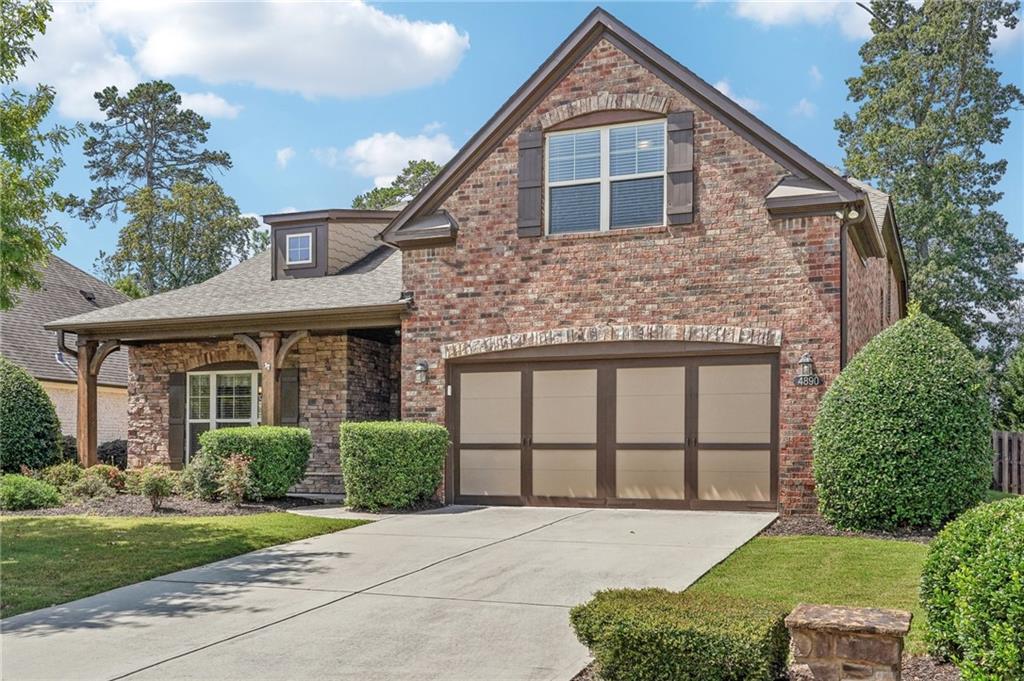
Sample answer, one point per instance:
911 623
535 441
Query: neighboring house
606 296
66 291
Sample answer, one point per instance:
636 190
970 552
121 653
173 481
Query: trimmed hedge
21 493
988 616
902 437
659 635
391 464
29 430
279 454
957 547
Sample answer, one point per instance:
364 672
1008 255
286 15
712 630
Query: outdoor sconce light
421 372
805 374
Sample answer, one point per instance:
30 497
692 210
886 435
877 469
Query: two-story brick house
624 290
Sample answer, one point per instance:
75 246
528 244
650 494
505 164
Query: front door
683 432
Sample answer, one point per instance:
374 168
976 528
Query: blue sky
318 102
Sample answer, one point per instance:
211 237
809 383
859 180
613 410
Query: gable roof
25 341
246 293
599 25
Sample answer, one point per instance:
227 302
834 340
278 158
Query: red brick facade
872 302
733 266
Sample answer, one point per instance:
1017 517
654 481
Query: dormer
324 242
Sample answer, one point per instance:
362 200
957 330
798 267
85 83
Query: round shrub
21 493
133 481
391 464
61 475
90 487
113 453
112 476
158 483
659 635
988 615
902 437
279 454
29 430
957 545
201 477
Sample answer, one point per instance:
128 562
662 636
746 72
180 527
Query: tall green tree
30 157
180 238
147 141
930 100
415 176
1010 394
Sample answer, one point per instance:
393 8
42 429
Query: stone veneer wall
734 266
333 371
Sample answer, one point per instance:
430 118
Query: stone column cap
840 618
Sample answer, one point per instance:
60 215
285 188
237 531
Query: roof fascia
346 214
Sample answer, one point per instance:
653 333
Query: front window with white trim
299 248
605 178
220 399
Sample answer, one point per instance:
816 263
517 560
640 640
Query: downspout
851 214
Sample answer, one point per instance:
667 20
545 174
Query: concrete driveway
464 593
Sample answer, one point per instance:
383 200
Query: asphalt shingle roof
247 289
24 341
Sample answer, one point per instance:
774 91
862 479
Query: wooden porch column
270 378
86 430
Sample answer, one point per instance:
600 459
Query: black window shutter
531 182
176 420
680 168
290 397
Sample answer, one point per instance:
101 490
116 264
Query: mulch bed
133 505
922 668
792 525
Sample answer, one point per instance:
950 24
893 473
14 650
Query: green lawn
827 570
50 560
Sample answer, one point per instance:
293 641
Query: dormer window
605 178
299 250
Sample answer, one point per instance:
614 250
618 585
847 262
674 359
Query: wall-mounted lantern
421 371
805 373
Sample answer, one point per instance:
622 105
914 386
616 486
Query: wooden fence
1008 462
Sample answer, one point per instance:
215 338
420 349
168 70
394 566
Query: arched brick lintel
228 351
703 333
604 102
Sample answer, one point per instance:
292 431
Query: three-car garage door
659 432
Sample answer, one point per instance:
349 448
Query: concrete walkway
458 594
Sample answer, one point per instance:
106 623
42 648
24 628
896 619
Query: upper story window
606 178
299 249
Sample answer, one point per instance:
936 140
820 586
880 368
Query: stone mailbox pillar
847 644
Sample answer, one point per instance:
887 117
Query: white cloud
345 49
383 155
78 58
1006 37
209 105
805 108
283 156
853 21
328 156
815 74
746 102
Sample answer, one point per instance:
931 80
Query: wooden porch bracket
249 342
86 426
286 347
62 345
102 351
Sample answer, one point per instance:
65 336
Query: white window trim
605 179
254 415
288 248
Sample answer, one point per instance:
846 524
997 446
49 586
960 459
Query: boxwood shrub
279 454
902 436
22 493
391 464
29 430
658 635
988 614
